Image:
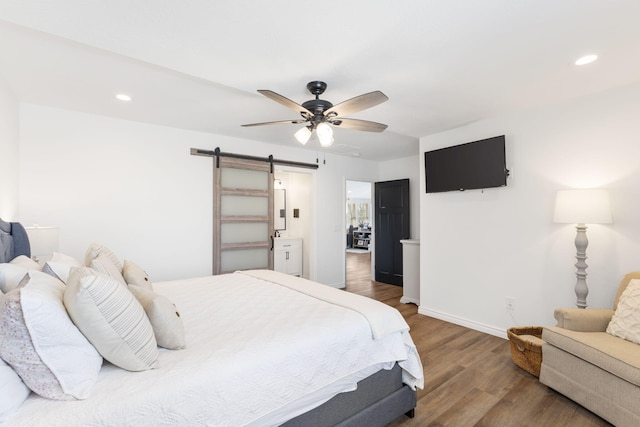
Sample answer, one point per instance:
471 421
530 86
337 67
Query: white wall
9 153
346 168
477 248
130 186
136 188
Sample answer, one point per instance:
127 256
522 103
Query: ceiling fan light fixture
303 135
325 134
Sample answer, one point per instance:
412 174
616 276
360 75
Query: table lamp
43 241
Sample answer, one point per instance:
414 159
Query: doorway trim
312 246
345 197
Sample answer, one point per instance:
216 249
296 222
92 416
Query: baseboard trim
491 330
409 300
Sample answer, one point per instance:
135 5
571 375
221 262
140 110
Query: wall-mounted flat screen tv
474 165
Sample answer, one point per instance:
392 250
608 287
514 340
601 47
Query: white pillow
164 317
12 391
60 265
58 270
96 249
42 345
65 259
134 275
11 275
112 319
25 262
625 322
103 264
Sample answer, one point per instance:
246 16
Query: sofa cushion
614 355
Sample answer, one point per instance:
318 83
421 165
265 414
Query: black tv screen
474 165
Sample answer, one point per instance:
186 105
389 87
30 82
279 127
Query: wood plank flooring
470 379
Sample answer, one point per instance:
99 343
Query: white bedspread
383 319
254 349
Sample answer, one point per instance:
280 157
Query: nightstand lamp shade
582 207
43 241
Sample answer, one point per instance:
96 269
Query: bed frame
378 400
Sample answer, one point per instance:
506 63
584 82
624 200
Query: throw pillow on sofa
625 322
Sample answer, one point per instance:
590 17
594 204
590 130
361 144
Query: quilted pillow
104 264
42 345
96 249
625 322
164 317
12 391
135 275
11 275
112 319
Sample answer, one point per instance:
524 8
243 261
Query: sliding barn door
243 215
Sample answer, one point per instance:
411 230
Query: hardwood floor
470 379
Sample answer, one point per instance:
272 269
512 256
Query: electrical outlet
511 303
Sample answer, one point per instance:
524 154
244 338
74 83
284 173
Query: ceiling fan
319 114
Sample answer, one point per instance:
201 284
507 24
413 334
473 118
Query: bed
262 349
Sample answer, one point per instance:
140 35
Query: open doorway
359 232
293 217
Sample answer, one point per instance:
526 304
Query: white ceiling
196 64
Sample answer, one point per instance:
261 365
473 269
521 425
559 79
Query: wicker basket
526 348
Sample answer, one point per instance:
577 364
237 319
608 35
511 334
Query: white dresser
287 255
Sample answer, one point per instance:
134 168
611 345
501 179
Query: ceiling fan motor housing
317 106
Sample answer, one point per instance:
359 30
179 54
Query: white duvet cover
258 353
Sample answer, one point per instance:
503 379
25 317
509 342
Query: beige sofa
595 369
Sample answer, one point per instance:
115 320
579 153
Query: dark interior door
392 225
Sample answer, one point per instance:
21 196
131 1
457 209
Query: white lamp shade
43 241
582 207
303 135
325 134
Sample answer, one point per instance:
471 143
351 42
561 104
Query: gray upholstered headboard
13 241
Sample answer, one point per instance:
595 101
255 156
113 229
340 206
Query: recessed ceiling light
587 59
123 97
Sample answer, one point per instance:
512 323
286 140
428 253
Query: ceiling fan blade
356 124
281 122
284 101
358 103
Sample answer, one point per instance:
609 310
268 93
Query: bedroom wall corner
480 247
10 153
